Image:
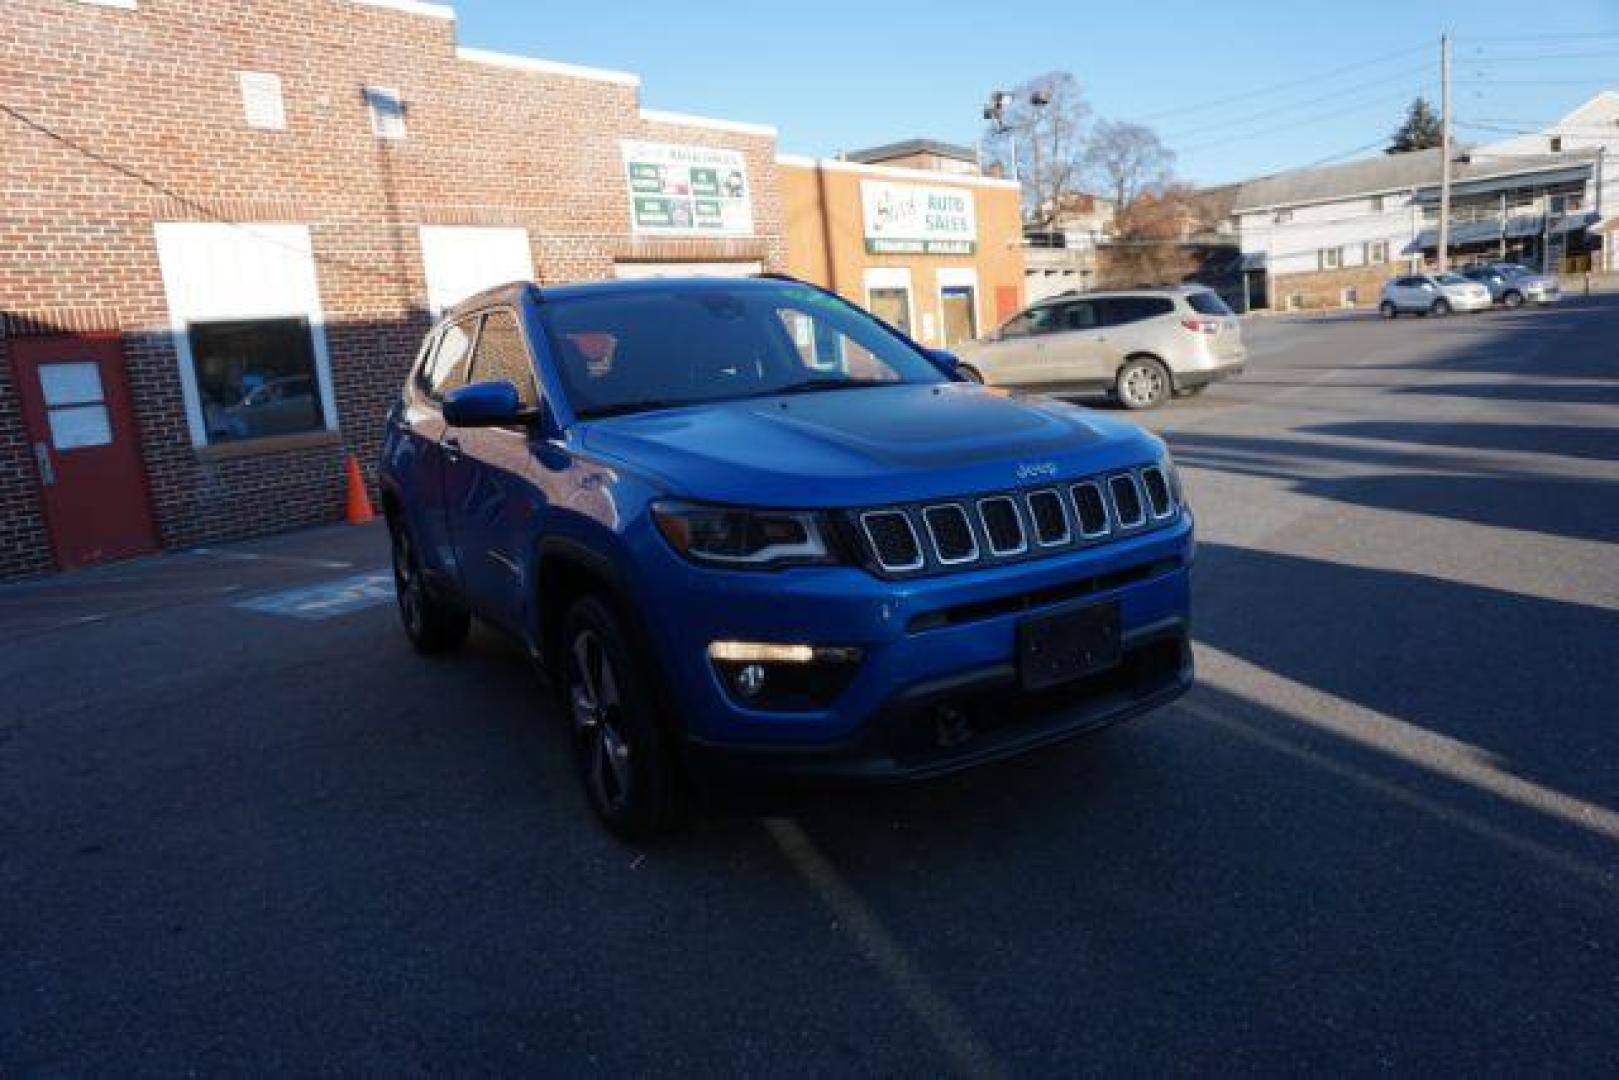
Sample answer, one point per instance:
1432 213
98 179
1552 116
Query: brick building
224 226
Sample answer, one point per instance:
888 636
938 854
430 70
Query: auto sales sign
918 219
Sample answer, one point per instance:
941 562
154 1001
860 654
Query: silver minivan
1139 345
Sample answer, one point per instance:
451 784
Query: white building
1330 236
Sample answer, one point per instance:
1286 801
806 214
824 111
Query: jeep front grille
1010 526
1050 518
952 533
1127 509
1002 525
1159 502
893 540
1092 509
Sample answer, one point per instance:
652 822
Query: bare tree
1046 122
1126 161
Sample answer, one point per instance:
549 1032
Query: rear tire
433 626
1388 310
626 760
970 373
1441 308
1513 299
1143 383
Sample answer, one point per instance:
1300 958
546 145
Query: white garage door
461 261
629 270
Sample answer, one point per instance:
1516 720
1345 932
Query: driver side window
1039 320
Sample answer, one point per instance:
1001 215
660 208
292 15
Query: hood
868 446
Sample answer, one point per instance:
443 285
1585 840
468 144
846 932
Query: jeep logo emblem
1037 470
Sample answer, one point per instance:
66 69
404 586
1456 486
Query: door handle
452 448
47 471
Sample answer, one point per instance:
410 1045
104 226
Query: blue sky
1238 89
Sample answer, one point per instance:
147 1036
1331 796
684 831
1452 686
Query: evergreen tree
1421 129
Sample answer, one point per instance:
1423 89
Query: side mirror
945 360
485 404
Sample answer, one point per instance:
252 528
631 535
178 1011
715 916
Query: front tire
1388 310
1143 383
625 760
1513 299
1441 308
433 626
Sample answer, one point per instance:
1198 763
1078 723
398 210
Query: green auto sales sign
918 219
687 190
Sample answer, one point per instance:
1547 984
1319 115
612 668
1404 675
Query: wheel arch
565 570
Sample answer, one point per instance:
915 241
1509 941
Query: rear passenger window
447 368
502 356
1119 310
1207 303
1079 316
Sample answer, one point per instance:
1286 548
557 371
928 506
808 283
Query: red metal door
75 408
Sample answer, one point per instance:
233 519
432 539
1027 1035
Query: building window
1377 252
256 378
1557 144
1283 217
893 306
262 101
1331 258
1348 297
387 112
959 306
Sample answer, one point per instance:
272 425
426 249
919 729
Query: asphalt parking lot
244 829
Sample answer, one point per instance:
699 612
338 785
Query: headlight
1167 463
743 539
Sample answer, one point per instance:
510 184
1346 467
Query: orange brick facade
124 118
826 241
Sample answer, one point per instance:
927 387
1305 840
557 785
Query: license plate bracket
1066 645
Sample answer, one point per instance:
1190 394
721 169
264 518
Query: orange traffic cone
360 510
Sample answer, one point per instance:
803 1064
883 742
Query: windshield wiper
624 408
807 386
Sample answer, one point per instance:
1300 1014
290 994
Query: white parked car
1433 294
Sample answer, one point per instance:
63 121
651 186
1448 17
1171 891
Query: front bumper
946 642
1464 302
940 727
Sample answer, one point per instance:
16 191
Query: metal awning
1577 173
1482 232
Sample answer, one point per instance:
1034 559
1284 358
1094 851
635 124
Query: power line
1580 36
1536 58
1309 80
1404 95
1283 109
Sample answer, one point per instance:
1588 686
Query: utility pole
1444 142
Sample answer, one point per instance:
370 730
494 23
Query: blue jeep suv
754 533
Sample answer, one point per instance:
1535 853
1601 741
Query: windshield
685 343
1514 270
1451 279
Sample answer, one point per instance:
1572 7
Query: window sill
272 444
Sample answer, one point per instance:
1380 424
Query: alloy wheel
1144 384
597 706
408 583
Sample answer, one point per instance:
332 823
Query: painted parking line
328 599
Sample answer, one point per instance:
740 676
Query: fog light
749 680
784 678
